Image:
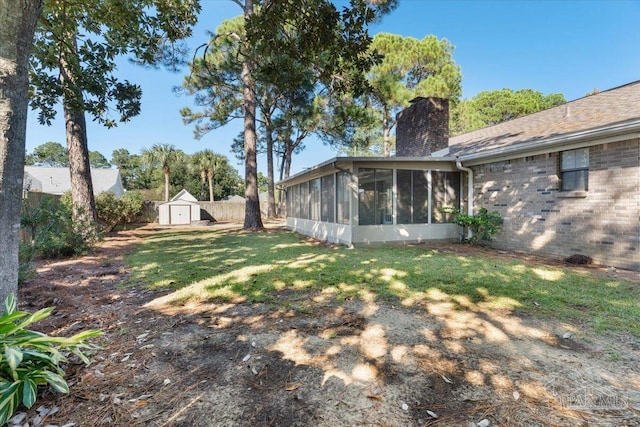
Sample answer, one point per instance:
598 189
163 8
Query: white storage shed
182 209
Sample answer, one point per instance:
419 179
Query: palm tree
207 163
198 163
215 163
161 155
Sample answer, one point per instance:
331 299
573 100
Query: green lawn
263 267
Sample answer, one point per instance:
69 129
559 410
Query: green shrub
31 359
483 226
52 230
86 229
108 210
112 212
33 217
26 268
132 203
59 237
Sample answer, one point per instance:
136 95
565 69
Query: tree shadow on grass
318 335
469 299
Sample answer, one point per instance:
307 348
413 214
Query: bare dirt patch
358 363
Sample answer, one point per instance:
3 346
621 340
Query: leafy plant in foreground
30 359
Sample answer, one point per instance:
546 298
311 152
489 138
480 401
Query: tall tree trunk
281 190
252 218
287 162
166 185
210 177
18 18
386 135
271 206
203 184
84 206
282 162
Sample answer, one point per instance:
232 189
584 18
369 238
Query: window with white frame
574 170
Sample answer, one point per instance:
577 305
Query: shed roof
179 202
184 195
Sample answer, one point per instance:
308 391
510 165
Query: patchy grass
231 265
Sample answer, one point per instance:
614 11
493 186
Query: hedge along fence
212 211
34 198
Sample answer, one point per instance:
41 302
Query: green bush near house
31 359
483 226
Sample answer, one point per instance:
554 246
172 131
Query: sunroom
363 200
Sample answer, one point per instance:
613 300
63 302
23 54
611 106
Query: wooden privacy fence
212 211
34 198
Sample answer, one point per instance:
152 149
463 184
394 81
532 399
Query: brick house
566 181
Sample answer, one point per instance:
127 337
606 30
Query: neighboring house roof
184 195
614 110
234 198
58 180
262 197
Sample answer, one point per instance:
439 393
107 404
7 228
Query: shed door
180 214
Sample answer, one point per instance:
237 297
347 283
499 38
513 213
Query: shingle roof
604 109
53 180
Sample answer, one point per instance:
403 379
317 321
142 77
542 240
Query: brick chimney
423 127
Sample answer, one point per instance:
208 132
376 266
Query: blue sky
568 47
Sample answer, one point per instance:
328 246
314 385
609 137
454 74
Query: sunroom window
445 194
413 195
375 196
328 198
343 197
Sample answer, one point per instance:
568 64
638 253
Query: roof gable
184 195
